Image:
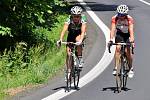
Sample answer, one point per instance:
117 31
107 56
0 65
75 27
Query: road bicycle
122 71
73 63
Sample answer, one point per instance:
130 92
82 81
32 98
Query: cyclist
76 26
123 25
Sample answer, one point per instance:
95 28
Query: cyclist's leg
79 51
117 58
117 53
67 58
128 51
117 67
130 59
70 38
79 48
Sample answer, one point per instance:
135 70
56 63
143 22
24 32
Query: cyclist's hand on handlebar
78 42
133 44
110 43
59 43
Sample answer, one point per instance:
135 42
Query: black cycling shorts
122 37
72 36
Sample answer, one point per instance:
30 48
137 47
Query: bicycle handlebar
68 43
121 44
125 44
74 43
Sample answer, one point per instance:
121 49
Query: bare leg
129 57
79 48
117 57
79 51
67 58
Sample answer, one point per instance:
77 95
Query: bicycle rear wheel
76 73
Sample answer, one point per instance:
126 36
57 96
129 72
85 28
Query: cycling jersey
74 29
74 26
122 25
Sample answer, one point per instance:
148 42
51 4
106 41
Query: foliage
5 31
28 33
34 65
20 18
12 62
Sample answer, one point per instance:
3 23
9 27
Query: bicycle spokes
68 73
121 77
76 77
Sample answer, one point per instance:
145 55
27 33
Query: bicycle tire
76 73
69 74
119 77
125 70
118 82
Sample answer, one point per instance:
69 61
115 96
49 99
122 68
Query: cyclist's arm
83 27
131 30
113 28
83 30
65 28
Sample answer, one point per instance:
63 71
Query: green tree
21 17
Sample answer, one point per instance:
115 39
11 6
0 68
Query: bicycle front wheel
76 73
69 74
125 75
76 76
119 80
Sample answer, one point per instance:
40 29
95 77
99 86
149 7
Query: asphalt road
93 52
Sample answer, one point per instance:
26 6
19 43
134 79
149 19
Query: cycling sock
80 56
115 68
69 70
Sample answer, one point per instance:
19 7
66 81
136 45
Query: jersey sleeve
67 20
113 19
130 20
83 19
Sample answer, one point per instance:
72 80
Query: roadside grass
39 66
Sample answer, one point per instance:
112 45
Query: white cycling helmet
76 10
122 9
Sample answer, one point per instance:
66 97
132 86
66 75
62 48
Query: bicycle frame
74 65
75 68
122 72
121 76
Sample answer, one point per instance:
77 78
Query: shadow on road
59 88
114 89
67 89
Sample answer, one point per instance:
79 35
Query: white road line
99 68
145 2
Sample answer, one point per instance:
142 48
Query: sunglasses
76 16
121 15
